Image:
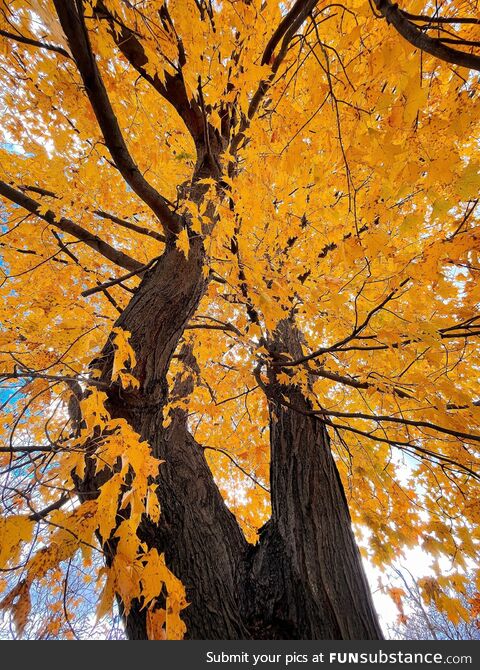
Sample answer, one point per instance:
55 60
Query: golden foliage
351 199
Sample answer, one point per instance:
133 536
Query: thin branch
35 43
419 451
247 474
236 397
112 300
119 280
439 19
399 392
67 251
30 448
403 421
130 226
227 327
353 335
354 383
55 378
41 514
103 215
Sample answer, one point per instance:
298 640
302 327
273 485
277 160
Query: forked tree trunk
304 577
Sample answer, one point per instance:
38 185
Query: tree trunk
202 541
307 567
304 577
200 537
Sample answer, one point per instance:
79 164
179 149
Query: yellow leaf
124 359
182 243
284 378
156 620
13 531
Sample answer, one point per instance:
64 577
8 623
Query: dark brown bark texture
307 564
303 579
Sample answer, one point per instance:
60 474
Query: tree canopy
336 188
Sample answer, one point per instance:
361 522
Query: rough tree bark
307 564
304 577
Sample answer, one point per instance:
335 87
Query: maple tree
240 256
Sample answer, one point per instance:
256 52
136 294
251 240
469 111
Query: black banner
238 655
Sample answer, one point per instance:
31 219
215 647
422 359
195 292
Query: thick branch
76 33
418 38
291 20
68 226
172 88
284 33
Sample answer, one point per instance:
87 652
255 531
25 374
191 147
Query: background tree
423 615
239 310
